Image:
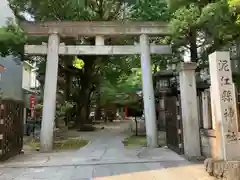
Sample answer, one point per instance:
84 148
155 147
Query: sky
5 12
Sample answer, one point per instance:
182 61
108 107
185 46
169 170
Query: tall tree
155 10
85 80
12 39
202 26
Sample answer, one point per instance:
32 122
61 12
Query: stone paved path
105 157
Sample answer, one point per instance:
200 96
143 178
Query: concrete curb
90 163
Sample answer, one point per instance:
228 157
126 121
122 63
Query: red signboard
32 101
32 105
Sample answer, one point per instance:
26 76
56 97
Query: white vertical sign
224 104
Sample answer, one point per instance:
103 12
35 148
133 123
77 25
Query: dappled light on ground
192 172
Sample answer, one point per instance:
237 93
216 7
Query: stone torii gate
99 30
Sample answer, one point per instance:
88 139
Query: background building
6 12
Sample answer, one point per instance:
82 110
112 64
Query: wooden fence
11 128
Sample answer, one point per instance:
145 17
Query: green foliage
120 77
216 20
71 10
38 106
60 144
120 91
78 63
235 9
234 4
63 108
202 26
199 26
12 40
183 19
156 10
135 141
151 10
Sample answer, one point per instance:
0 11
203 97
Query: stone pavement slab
105 147
108 171
105 157
83 172
94 155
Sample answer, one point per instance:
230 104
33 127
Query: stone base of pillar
225 170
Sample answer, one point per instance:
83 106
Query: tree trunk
83 109
98 105
193 45
67 92
193 49
83 113
136 124
90 120
84 116
77 123
86 83
68 85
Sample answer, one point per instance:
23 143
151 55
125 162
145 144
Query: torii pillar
50 89
148 93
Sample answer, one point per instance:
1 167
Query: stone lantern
165 84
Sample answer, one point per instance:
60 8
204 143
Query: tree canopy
199 27
202 26
12 39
